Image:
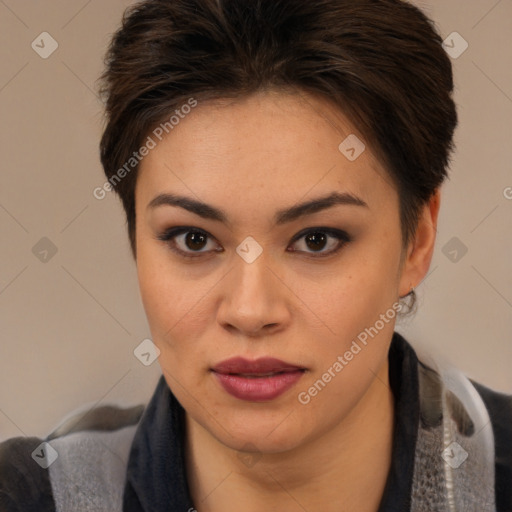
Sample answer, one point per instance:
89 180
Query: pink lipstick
260 380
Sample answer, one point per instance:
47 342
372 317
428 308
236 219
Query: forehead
275 145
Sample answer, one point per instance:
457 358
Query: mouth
260 380
264 366
262 375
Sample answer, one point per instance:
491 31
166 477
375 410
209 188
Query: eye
317 239
186 241
190 242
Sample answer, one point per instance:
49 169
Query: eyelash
168 237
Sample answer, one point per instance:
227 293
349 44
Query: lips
257 368
260 380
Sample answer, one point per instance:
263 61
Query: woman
280 166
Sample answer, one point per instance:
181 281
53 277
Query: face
306 285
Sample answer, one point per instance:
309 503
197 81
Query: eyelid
168 236
336 233
339 234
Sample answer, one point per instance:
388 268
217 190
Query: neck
313 476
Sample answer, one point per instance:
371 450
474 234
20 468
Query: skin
251 158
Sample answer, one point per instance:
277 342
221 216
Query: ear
420 249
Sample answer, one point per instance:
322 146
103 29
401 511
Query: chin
258 431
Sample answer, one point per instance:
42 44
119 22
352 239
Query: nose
255 301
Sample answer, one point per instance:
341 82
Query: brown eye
188 242
314 241
195 240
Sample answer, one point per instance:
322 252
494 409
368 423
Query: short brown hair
381 62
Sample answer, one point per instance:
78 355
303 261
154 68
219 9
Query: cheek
162 293
353 296
153 283
358 305
175 306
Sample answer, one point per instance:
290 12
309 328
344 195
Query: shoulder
499 406
82 461
24 484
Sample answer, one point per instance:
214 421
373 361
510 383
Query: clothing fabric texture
452 451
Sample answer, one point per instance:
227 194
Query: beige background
69 325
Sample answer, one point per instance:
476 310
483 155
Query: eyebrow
283 216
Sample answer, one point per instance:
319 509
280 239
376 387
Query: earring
410 292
